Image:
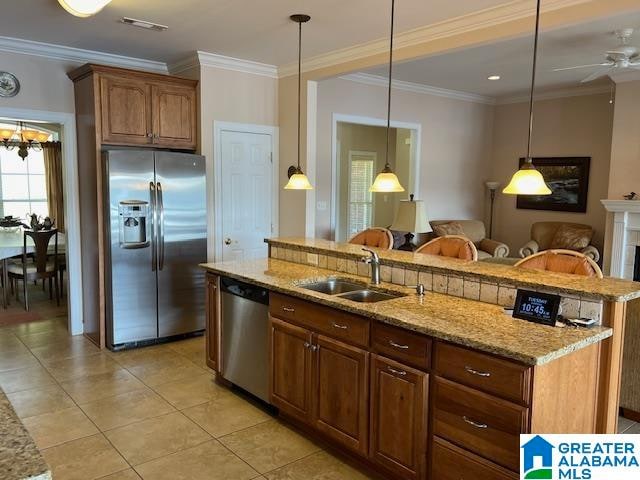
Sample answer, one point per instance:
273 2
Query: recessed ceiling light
493 77
144 24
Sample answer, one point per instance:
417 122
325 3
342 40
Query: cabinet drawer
321 319
453 463
494 375
407 347
478 422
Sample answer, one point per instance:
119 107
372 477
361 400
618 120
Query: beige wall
625 146
44 83
571 126
456 140
230 96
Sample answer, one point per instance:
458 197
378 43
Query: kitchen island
20 459
440 384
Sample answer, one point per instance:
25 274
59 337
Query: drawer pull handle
289 309
475 424
396 372
397 345
341 327
477 372
307 345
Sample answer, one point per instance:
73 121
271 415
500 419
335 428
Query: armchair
549 235
475 231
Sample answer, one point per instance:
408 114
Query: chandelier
23 138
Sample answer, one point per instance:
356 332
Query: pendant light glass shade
298 181
83 8
386 181
527 181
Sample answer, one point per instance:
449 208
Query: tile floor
152 413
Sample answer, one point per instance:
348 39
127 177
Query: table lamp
411 217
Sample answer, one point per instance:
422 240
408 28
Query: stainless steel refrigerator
156 237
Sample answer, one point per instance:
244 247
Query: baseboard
630 414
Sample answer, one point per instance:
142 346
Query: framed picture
568 179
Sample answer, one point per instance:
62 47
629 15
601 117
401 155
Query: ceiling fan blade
608 64
597 74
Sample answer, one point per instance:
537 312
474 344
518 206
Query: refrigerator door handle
160 228
152 197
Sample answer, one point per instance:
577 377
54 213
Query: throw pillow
572 238
451 228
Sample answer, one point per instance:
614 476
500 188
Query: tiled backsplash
472 288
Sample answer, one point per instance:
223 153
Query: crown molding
206 59
514 10
553 94
77 55
419 88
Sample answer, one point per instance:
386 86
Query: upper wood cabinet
141 109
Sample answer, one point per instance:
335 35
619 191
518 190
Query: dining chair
374 237
562 261
452 246
40 267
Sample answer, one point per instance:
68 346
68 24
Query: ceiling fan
624 57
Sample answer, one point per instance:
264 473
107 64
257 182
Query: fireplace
636 265
621 256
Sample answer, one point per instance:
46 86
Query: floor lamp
492 186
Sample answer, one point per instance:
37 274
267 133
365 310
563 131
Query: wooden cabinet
126 110
398 417
173 110
140 109
291 369
341 392
212 333
453 463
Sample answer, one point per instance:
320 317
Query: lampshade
83 8
411 217
386 181
527 181
298 181
29 135
42 137
6 133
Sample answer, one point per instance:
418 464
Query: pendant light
528 180
387 181
83 8
297 179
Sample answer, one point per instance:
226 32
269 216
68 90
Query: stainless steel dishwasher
245 336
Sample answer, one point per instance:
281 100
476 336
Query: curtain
53 176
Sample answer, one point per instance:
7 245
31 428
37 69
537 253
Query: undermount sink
369 296
334 286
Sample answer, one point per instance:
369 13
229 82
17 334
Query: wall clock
9 85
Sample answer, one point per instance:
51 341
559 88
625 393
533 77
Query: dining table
11 245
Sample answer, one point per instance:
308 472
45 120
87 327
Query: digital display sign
537 307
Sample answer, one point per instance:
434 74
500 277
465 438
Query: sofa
563 235
475 231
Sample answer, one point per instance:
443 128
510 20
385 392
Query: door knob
227 241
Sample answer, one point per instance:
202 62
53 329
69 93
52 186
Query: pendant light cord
393 9
529 160
299 84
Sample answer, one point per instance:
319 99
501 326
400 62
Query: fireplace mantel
626 221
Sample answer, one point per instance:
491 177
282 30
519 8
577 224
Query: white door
246 194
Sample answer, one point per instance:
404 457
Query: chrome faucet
374 261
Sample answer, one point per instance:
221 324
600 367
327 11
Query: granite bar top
20 459
465 322
608 288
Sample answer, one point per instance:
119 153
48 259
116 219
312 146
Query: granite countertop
608 288
20 459
466 322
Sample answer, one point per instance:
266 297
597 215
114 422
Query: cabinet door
174 116
212 323
291 369
398 417
126 111
341 392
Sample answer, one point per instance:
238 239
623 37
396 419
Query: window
22 184
361 172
